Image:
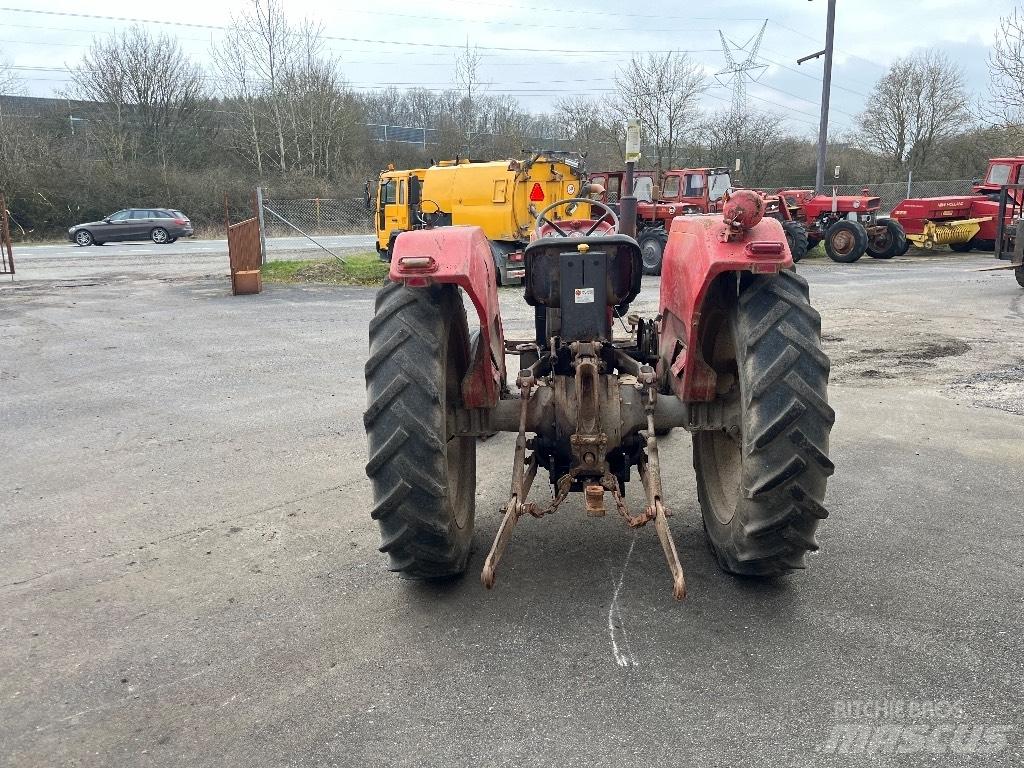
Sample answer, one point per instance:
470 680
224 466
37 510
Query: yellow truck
500 197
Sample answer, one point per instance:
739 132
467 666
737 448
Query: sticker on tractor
570 189
584 295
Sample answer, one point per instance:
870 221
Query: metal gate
1011 212
6 254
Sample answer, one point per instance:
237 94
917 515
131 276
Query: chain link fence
318 216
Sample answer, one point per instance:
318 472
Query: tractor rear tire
961 247
652 249
1019 274
846 241
796 236
761 487
889 243
424 479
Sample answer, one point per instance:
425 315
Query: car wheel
159 236
83 237
172 240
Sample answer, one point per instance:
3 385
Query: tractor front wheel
887 239
846 241
761 481
423 475
796 236
652 244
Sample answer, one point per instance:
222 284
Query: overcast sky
541 50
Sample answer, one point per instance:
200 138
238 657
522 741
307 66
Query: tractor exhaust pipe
627 204
627 201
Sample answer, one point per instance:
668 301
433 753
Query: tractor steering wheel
608 212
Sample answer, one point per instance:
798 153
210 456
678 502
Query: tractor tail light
417 263
517 256
537 193
762 248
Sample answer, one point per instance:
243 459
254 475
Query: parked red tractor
685 192
734 356
986 220
848 224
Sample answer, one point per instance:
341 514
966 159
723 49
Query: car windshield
999 174
718 185
643 189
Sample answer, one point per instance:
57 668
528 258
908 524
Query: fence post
263 231
910 180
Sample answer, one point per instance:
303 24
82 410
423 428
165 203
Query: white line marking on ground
615 622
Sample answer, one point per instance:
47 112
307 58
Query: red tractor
848 224
734 355
686 192
985 221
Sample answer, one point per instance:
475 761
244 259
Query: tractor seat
610 259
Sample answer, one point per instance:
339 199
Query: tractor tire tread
897 245
404 420
785 453
654 233
860 241
796 236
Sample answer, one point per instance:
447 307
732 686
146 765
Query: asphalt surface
190 576
186 257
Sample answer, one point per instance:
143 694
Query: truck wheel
1019 274
761 484
846 241
424 479
887 239
796 236
652 244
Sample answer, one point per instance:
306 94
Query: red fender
460 256
694 257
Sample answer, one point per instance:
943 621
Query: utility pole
826 92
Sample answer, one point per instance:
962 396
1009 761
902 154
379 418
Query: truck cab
397 202
696 190
1001 172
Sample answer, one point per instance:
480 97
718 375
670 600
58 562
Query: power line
418 44
812 77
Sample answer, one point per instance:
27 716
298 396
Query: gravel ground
190 577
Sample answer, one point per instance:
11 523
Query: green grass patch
358 269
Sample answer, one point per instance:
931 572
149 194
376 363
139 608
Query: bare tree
918 103
1006 66
661 90
144 97
252 60
467 75
755 138
583 123
10 83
